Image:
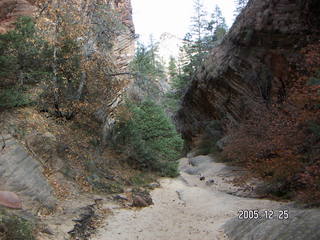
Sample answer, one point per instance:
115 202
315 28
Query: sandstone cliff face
124 44
123 50
253 60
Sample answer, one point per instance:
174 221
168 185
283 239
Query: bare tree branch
4 143
122 73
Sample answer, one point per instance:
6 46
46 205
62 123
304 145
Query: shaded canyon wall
255 59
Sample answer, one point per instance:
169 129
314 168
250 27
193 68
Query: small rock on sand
10 200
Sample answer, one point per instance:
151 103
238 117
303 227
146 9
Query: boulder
141 198
153 185
196 161
138 201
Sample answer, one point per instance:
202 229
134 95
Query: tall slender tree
217 26
198 31
203 36
148 68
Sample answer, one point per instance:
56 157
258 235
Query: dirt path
184 208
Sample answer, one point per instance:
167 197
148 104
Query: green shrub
148 138
22 62
22 56
15 228
14 97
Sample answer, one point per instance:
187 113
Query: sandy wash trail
184 208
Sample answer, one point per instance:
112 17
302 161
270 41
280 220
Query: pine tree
178 80
198 32
23 61
203 36
173 69
21 51
217 26
149 138
148 68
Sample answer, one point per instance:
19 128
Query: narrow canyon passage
184 208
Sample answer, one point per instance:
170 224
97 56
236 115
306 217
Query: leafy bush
269 144
15 228
13 97
148 138
280 143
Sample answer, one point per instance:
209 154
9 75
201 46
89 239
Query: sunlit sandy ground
184 208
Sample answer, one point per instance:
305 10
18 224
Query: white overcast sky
158 16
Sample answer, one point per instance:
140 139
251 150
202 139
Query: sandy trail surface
184 208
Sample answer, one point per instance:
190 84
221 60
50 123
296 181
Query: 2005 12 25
263 214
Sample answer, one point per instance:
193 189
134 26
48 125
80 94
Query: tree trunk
83 81
20 77
55 81
55 74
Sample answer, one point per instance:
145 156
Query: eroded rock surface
22 174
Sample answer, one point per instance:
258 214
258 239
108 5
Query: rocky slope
21 173
254 60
